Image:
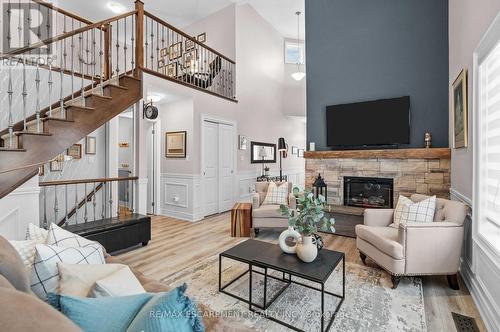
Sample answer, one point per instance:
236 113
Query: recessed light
155 97
116 7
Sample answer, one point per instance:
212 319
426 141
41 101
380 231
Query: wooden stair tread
131 77
116 86
99 96
34 133
56 119
81 107
4 149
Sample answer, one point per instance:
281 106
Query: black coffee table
270 257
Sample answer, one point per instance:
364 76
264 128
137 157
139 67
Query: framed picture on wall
202 37
459 107
295 150
188 44
190 57
175 144
90 145
171 70
161 63
242 142
175 51
262 153
163 52
300 153
75 151
56 164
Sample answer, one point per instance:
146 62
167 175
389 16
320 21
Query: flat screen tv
370 123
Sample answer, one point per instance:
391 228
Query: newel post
139 44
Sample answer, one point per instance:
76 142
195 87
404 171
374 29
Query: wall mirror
262 153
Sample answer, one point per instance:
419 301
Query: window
487 144
294 52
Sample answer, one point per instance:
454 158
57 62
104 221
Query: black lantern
319 187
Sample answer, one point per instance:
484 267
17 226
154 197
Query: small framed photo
163 52
56 164
75 151
171 70
190 57
188 44
90 145
242 142
41 170
295 150
202 37
459 108
175 51
161 63
175 144
300 153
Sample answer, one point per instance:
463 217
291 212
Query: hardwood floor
176 245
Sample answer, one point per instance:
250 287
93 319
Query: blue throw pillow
168 312
149 312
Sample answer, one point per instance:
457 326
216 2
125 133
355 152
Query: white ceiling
180 13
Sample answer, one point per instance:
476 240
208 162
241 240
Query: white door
226 166
210 170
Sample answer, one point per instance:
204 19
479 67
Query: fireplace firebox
368 192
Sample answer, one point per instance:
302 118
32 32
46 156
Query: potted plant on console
307 219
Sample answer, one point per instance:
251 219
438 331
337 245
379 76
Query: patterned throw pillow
62 238
45 274
36 233
276 195
407 211
26 250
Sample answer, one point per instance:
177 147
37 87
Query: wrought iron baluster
10 92
82 92
132 194
110 200
157 45
85 216
101 65
93 63
94 203
72 46
50 86
24 94
66 205
133 45
56 204
117 48
87 51
146 43
62 64
103 199
44 208
125 45
76 203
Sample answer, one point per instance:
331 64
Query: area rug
370 304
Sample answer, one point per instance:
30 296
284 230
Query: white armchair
268 216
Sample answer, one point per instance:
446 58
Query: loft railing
174 55
70 202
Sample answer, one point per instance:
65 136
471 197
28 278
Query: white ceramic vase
290 232
306 249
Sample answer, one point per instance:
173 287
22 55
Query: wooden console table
241 220
346 218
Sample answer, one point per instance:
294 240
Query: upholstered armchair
268 216
414 248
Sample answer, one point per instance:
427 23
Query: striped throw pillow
276 195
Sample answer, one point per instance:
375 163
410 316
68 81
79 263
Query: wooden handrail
62 11
185 35
103 180
51 40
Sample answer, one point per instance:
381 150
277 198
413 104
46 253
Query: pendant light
299 74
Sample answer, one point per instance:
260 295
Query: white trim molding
460 197
185 187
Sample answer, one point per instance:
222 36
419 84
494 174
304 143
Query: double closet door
218 166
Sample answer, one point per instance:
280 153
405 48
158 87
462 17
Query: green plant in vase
307 219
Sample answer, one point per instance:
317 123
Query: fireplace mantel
419 153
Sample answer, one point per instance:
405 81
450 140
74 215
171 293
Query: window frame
302 51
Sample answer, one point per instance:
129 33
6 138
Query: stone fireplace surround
423 171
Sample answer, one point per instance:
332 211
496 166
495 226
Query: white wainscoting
480 269
18 209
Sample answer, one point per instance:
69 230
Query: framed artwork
171 70
300 153
242 142
190 57
295 150
41 170
75 151
175 51
161 63
163 52
90 145
262 153
202 37
459 107
175 144
188 44
56 164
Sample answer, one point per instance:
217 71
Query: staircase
94 74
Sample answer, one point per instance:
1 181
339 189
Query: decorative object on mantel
300 153
295 150
459 107
202 37
90 145
320 187
282 148
261 153
266 170
75 151
284 236
242 142
307 219
428 140
175 144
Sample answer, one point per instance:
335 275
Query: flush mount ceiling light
155 97
116 7
299 74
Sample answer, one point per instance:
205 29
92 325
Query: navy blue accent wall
360 50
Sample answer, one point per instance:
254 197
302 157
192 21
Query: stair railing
172 54
86 200
81 61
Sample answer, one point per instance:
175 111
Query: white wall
468 22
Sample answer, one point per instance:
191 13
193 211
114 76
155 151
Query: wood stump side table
241 220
